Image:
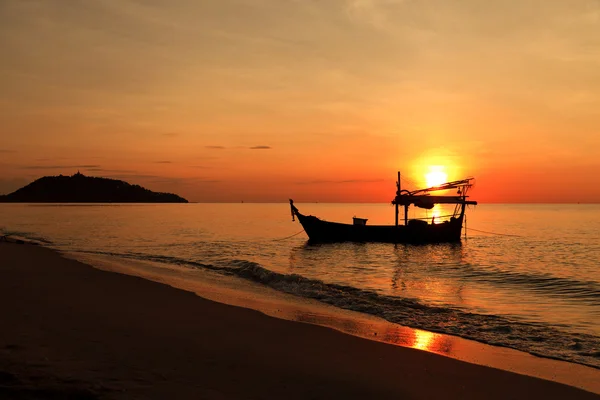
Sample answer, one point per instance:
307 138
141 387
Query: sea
525 276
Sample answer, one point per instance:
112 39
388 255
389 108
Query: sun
436 176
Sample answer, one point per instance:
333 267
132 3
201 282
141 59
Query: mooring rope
491 233
287 237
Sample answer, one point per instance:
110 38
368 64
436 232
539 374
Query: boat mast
463 194
397 194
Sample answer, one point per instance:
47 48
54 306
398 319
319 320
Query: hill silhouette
86 189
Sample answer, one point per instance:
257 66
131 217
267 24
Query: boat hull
416 232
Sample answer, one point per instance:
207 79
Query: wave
535 338
546 283
27 236
154 258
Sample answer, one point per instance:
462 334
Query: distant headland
79 188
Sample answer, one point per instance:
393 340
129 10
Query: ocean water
525 277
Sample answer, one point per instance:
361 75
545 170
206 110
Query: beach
72 330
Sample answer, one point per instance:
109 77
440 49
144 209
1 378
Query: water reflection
431 273
381 331
418 339
410 261
423 340
362 263
433 342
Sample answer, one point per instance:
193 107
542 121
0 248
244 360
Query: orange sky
262 100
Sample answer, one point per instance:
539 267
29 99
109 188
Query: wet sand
71 330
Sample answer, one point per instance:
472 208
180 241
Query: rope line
491 233
287 237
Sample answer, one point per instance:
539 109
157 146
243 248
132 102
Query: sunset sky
318 100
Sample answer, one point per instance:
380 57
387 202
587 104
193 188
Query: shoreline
246 294
72 329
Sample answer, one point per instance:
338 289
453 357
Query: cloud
184 181
373 12
59 166
260 148
53 159
340 182
215 147
158 179
163 162
110 170
6 151
135 176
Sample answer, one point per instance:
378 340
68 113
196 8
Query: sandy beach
72 331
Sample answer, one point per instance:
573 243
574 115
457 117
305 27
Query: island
79 188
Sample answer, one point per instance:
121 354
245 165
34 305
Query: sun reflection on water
423 340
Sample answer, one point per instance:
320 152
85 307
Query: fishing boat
440 229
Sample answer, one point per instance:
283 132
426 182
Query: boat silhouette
418 230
